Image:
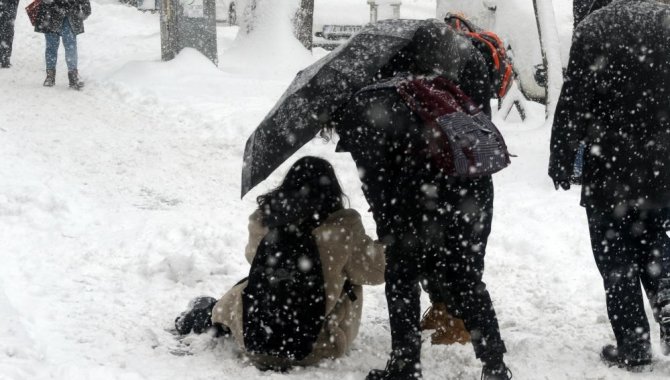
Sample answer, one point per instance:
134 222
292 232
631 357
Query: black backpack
284 301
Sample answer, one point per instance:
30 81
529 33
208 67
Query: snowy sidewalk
120 203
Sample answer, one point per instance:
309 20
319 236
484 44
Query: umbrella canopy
320 89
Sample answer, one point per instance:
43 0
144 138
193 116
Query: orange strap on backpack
493 43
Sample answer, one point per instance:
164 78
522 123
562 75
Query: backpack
461 140
488 43
284 303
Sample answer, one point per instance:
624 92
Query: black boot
397 369
631 360
198 317
663 306
497 371
75 83
50 81
4 63
664 322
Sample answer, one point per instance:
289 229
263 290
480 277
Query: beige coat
346 253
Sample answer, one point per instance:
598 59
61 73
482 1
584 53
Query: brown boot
75 83
452 331
50 81
434 317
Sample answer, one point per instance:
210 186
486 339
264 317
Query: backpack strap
492 44
348 289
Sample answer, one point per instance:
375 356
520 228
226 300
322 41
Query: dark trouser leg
403 296
7 18
618 260
648 229
460 262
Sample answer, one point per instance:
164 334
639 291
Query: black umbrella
320 89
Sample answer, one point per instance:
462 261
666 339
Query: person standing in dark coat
7 18
62 19
435 226
616 101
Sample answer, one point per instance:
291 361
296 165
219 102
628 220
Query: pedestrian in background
7 18
615 102
62 19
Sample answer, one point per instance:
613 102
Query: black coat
52 13
582 8
385 137
616 100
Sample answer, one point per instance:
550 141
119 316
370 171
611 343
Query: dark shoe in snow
496 372
198 317
629 361
75 83
50 80
5 65
664 322
397 369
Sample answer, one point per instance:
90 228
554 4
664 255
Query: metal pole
373 11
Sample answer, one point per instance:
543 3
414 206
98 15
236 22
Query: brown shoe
434 317
453 331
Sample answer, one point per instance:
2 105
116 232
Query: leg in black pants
630 249
8 10
426 222
403 264
459 261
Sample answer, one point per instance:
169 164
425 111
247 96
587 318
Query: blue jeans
69 42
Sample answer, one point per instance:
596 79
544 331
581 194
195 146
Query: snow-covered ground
120 203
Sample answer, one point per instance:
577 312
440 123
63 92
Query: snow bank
270 48
18 353
120 203
189 70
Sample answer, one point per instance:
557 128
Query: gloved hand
563 183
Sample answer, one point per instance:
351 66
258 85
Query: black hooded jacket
52 13
384 136
616 99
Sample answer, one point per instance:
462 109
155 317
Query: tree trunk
304 22
168 16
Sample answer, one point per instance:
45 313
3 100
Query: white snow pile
120 203
268 48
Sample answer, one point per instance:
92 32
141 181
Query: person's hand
563 183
